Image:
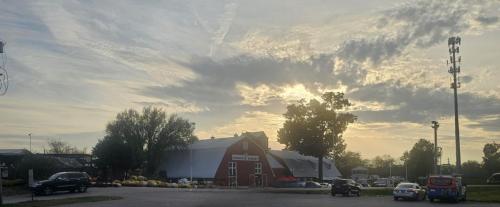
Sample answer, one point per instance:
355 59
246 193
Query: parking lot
144 197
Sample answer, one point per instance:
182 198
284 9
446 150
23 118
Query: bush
16 182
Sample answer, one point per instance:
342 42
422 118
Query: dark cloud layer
422 24
420 105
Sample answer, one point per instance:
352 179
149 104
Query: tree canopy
348 161
491 158
136 140
316 128
420 159
60 147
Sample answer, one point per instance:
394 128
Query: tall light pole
435 126
454 48
30 141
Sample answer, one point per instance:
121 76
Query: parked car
289 184
345 187
326 185
494 179
383 182
62 181
446 187
409 191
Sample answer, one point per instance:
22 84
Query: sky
233 66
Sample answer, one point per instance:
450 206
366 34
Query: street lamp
435 126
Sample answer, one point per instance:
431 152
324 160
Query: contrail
224 25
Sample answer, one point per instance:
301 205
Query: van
446 187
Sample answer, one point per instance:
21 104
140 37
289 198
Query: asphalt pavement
145 197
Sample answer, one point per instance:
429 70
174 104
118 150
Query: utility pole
30 141
454 49
435 126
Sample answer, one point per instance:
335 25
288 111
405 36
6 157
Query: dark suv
62 181
346 187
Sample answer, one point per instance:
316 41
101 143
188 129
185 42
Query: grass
63 201
484 194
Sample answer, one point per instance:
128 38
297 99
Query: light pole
191 165
454 49
30 141
435 126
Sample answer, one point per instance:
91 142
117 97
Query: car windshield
441 181
340 182
54 176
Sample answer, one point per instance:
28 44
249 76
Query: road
145 197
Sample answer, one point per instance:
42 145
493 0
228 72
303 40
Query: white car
409 191
383 182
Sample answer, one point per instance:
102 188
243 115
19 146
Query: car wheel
396 198
82 188
431 200
48 191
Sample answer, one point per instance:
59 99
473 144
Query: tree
60 147
381 164
491 158
316 128
144 137
348 161
421 159
113 154
473 169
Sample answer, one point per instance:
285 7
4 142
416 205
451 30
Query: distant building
10 158
243 160
72 162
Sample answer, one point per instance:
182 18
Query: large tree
316 128
145 137
420 159
491 158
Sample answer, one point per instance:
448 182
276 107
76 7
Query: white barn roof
306 166
205 155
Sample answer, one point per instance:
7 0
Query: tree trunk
320 168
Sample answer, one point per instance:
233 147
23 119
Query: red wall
245 169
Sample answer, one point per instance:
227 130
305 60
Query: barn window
258 168
232 169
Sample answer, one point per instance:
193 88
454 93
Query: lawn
484 194
64 201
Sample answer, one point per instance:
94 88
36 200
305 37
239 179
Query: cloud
418 105
487 20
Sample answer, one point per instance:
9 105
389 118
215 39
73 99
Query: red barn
234 161
243 160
